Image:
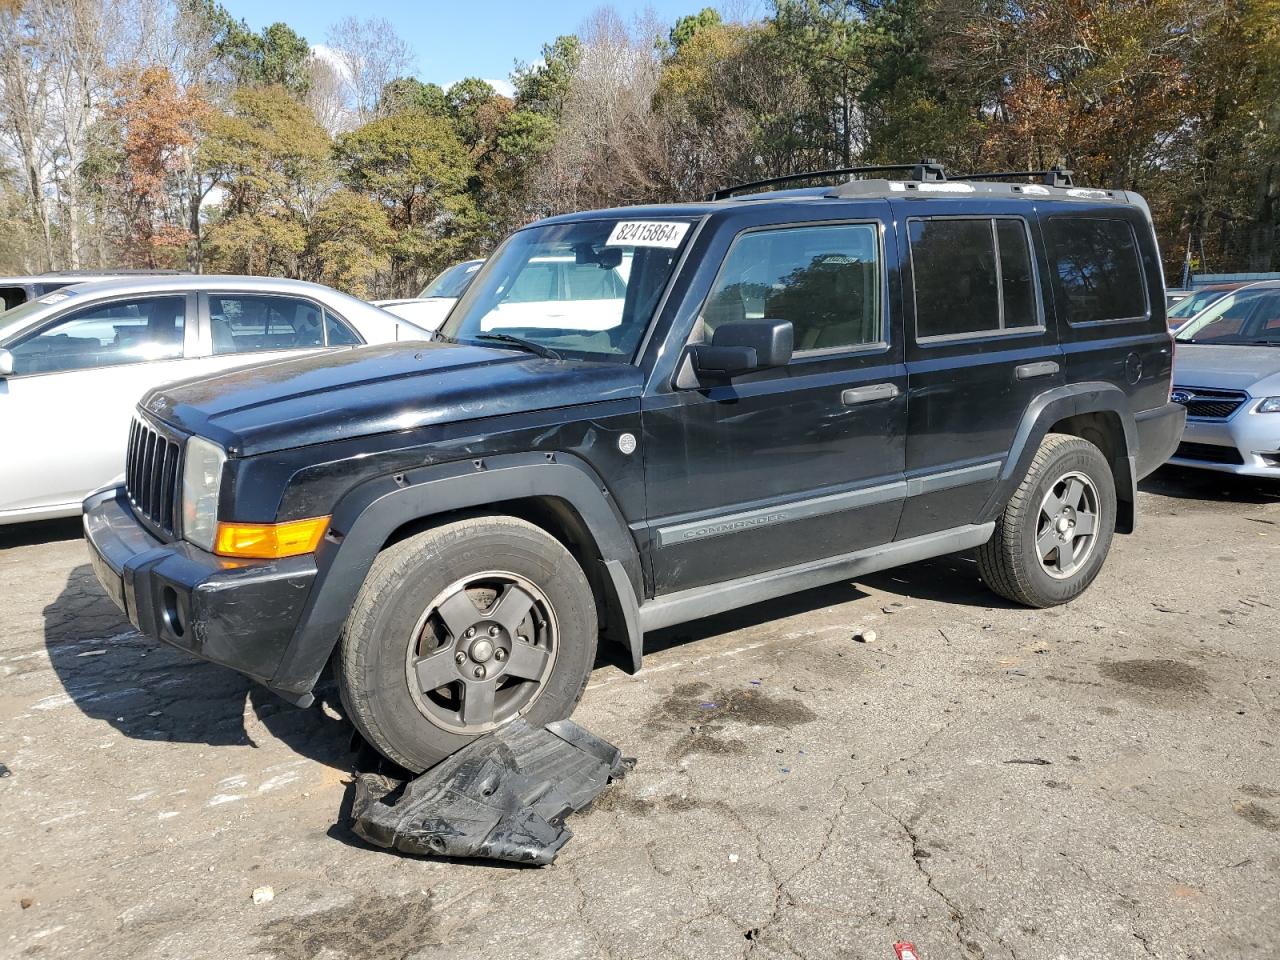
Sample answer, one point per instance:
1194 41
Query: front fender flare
370 513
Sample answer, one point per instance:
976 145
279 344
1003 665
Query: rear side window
1097 271
972 276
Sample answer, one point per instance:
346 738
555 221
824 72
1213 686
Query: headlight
1269 405
201 481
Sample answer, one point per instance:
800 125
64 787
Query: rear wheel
461 629
1055 532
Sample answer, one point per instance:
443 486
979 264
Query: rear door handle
878 391
1029 371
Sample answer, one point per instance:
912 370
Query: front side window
972 276
825 280
1248 317
1097 271
248 323
106 335
586 290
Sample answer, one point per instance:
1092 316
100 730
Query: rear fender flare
1051 407
370 513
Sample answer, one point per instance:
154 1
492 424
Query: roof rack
1053 177
924 170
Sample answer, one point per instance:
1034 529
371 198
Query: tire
408 629
1035 555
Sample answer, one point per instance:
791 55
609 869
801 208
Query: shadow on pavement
40 531
148 691
1184 483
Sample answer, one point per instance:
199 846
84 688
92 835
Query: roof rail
923 170
1053 177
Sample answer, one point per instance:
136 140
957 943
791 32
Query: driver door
784 466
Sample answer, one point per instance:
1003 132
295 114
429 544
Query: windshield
1192 304
452 282
584 290
1249 316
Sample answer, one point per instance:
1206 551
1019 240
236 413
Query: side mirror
741 347
6 363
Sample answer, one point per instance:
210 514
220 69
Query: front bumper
1246 443
238 613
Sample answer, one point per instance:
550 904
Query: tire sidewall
415 741
1083 458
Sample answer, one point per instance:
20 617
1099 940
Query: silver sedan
1226 372
75 362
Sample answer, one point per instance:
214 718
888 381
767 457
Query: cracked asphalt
1097 780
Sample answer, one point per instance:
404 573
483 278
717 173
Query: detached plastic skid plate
504 796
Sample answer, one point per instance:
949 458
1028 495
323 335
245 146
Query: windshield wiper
520 342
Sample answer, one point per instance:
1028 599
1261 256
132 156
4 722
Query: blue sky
482 38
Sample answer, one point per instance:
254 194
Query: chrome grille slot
152 474
1206 403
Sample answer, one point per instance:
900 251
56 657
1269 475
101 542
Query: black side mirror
741 347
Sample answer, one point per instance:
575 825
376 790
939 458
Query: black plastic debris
504 796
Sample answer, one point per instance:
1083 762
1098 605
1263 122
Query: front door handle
878 391
1029 371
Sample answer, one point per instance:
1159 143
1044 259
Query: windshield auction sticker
647 233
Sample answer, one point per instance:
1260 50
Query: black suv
643 416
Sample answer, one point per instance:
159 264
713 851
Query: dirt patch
379 928
620 802
1258 815
1259 791
706 741
1164 676
695 704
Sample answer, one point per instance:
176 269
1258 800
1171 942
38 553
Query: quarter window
825 280
1097 271
106 335
972 276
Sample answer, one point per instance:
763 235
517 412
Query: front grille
1208 404
152 475
1209 453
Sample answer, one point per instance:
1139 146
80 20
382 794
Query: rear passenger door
783 466
978 351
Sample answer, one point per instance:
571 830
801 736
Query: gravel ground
1098 780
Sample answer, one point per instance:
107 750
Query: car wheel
1055 532
460 629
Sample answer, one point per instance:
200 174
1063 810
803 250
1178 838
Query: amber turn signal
269 541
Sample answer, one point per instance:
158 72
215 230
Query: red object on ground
906 951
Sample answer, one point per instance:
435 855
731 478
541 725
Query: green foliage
543 88
687 26
349 243
405 94
276 56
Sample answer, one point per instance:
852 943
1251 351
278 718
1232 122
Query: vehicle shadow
1185 483
40 531
148 691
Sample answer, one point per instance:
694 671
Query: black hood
378 389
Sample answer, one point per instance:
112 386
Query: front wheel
460 629
1055 532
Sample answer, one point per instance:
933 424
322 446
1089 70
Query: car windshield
1190 305
585 290
452 282
1244 317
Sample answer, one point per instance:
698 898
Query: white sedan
74 364
429 308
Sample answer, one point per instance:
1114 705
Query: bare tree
369 54
327 94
